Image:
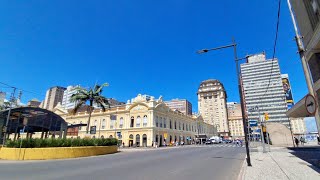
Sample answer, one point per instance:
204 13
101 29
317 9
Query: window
157 123
175 125
111 124
121 122
161 122
312 8
95 123
179 126
103 124
132 122
182 126
145 120
314 65
164 123
138 121
170 124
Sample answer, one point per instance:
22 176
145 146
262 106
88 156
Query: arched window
145 120
121 122
138 121
164 123
132 122
161 122
170 124
103 124
110 136
102 137
175 125
157 123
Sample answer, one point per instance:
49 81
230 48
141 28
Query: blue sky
139 46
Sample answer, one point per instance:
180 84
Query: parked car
208 142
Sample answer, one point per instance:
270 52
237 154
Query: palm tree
93 95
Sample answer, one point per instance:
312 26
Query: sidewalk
280 163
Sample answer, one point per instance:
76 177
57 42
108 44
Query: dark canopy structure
30 120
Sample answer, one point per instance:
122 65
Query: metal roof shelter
35 120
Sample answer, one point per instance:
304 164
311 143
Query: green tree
6 105
93 96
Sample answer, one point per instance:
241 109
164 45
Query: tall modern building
235 120
54 95
262 86
213 106
181 105
66 103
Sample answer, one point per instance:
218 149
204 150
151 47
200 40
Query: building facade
235 120
2 98
213 106
181 105
66 103
34 103
141 122
307 14
54 95
298 126
263 89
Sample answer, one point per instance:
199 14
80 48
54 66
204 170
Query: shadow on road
310 154
219 157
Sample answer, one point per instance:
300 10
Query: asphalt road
194 163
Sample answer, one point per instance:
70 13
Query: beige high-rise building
298 126
212 105
235 120
54 95
181 105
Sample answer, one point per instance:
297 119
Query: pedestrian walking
302 140
296 141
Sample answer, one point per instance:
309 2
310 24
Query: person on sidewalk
302 140
296 141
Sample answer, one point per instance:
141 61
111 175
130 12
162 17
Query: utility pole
306 71
244 120
261 132
8 116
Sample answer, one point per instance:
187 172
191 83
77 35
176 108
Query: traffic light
266 116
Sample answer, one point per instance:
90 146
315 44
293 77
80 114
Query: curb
243 170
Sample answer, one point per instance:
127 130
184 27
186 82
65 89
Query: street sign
253 123
310 104
93 129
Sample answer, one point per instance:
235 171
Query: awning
299 110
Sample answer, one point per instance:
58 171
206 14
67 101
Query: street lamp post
245 124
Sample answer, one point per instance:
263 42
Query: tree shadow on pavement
308 154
